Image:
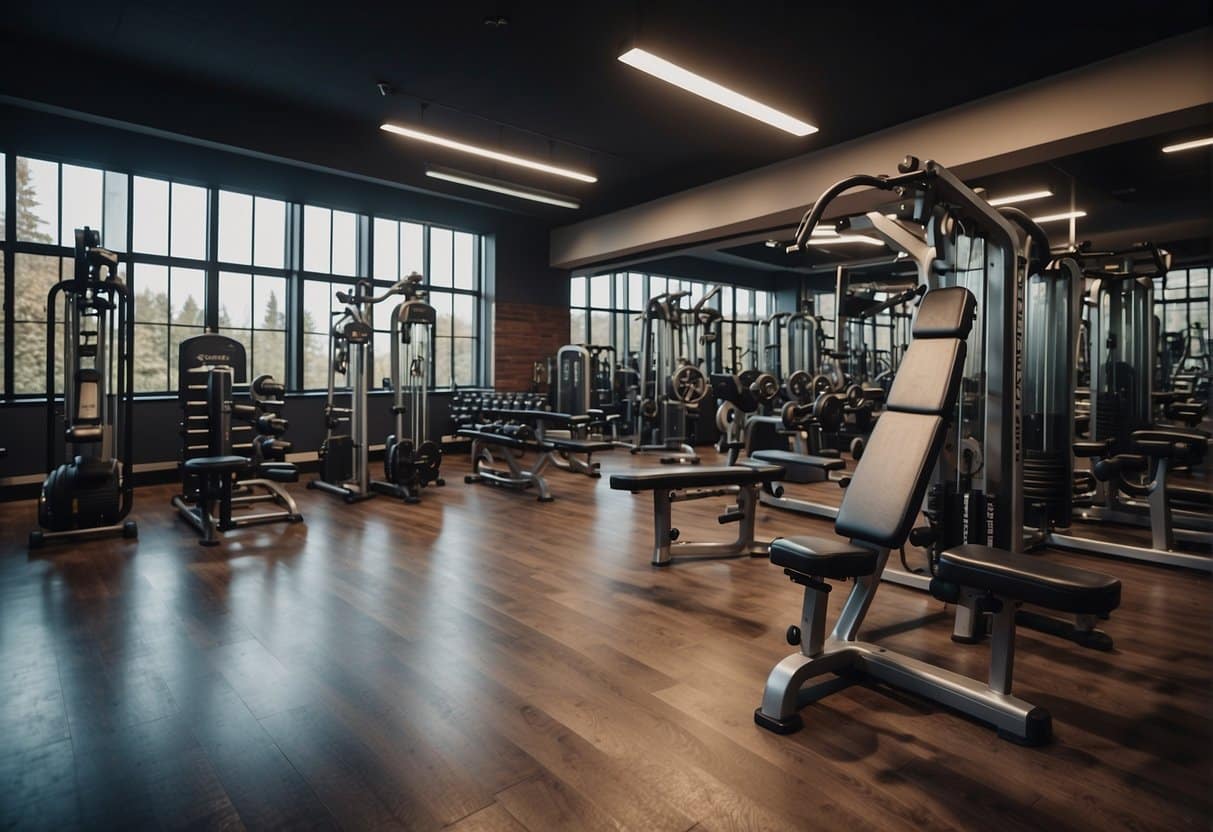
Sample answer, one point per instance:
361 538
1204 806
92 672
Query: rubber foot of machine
779 726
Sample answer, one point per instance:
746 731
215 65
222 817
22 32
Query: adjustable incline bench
676 485
878 509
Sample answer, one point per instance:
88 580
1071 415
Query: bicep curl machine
90 492
220 469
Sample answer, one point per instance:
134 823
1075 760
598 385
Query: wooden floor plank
482 661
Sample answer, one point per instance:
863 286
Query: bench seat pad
823 557
1029 578
651 479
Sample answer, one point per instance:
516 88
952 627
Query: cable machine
344 455
90 492
411 460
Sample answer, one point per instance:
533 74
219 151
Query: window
605 309
261 270
253 281
450 263
168 275
52 200
1182 308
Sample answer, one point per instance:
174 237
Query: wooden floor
486 662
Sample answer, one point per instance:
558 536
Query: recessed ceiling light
495 155
722 95
846 238
497 186
1068 215
1192 145
1025 197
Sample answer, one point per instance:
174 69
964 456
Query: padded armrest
1028 578
700 476
822 557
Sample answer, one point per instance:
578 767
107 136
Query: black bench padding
221 464
949 314
501 440
546 416
578 446
791 461
886 490
822 557
1030 579
922 383
651 479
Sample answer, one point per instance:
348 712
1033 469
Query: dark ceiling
298 79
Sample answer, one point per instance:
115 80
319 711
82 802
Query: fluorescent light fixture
1192 145
1026 197
1068 215
499 187
722 95
845 238
484 152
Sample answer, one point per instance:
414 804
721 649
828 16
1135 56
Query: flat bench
673 485
801 468
485 469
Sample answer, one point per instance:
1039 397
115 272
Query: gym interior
504 415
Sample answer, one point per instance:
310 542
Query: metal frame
667 549
485 469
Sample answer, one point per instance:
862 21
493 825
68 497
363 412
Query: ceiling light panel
1068 215
1192 145
485 153
1012 199
499 187
671 73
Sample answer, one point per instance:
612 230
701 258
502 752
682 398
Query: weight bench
568 449
576 455
485 443
801 468
676 485
878 509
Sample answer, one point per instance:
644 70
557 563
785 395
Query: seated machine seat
821 557
800 467
1028 578
217 464
652 479
278 471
